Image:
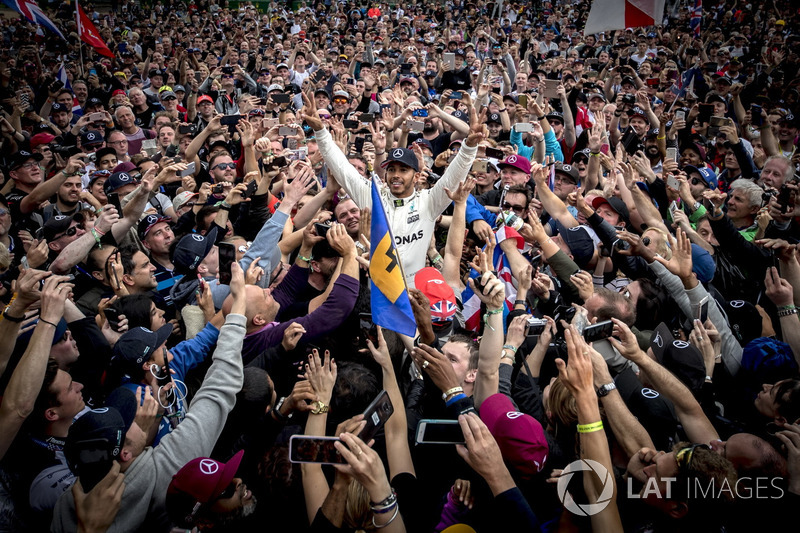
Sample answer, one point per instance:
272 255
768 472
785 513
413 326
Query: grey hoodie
143 502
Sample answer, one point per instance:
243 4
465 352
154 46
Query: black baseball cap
56 225
402 155
679 357
91 137
21 157
117 180
147 223
193 248
137 345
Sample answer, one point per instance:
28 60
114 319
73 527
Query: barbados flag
391 308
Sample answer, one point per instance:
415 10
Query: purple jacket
325 319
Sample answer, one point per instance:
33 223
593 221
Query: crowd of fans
598 234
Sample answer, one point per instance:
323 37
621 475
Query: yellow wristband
590 428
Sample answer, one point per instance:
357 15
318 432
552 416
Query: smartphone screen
495 153
227 255
229 120
599 331
113 199
376 415
311 449
439 432
190 169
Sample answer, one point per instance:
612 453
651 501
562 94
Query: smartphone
358 144
97 117
319 76
564 312
376 414
456 95
673 75
495 153
230 120
653 82
784 199
113 199
599 331
416 125
700 310
550 89
672 153
366 118
523 127
680 114
439 432
278 162
672 181
523 100
421 112
267 123
298 155
112 317
449 58
673 206
188 129
122 47
287 130
190 170
692 52
322 231
705 112
755 112
714 125
631 141
93 462
480 165
351 124
535 327
281 98
92 72
312 449
227 255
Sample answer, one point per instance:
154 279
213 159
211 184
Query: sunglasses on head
224 166
684 455
69 233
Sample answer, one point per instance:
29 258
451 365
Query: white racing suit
411 219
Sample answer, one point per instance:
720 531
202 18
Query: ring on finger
426 364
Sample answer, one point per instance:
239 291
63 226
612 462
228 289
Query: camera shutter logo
208 467
586 509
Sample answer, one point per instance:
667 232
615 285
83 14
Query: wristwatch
11 318
277 411
605 389
319 408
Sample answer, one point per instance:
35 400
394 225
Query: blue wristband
454 399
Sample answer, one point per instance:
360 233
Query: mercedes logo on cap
680 344
198 237
659 341
397 153
123 176
513 414
736 304
649 393
209 466
151 219
511 159
60 217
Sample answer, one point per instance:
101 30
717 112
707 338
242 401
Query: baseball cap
653 410
628 80
679 357
57 107
91 137
97 174
179 88
56 225
555 115
568 170
697 147
464 117
706 173
167 95
581 154
716 98
93 101
204 98
402 155
323 92
636 110
21 157
744 320
154 72
40 139
595 94
424 142
192 249
138 345
125 166
703 264
441 296
579 241
274 87
494 117
182 198
147 223
341 94
520 437
203 480
519 162
117 180
614 203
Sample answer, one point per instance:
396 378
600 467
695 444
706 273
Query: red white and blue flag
697 18
31 11
472 304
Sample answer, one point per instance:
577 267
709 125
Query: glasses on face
224 166
228 76
563 179
339 100
698 181
3 212
115 143
684 455
324 116
516 208
30 165
69 233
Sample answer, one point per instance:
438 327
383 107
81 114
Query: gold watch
319 408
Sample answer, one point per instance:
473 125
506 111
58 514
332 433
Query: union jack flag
31 11
697 17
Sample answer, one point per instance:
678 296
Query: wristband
379 153
508 356
306 259
510 347
520 302
659 137
539 119
452 391
96 237
488 313
502 110
595 154
48 323
787 312
387 501
454 399
590 428
786 307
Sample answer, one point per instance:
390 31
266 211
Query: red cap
119 91
204 98
441 296
301 34
519 162
40 139
205 479
520 437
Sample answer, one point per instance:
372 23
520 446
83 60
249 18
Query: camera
535 327
628 99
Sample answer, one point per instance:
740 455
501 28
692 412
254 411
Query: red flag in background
89 33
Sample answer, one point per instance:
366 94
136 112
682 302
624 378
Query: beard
227 520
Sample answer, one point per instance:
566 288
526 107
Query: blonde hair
357 512
5 257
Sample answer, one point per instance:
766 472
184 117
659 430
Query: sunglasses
325 116
224 166
684 455
69 233
516 208
3 212
698 181
340 100
229 492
